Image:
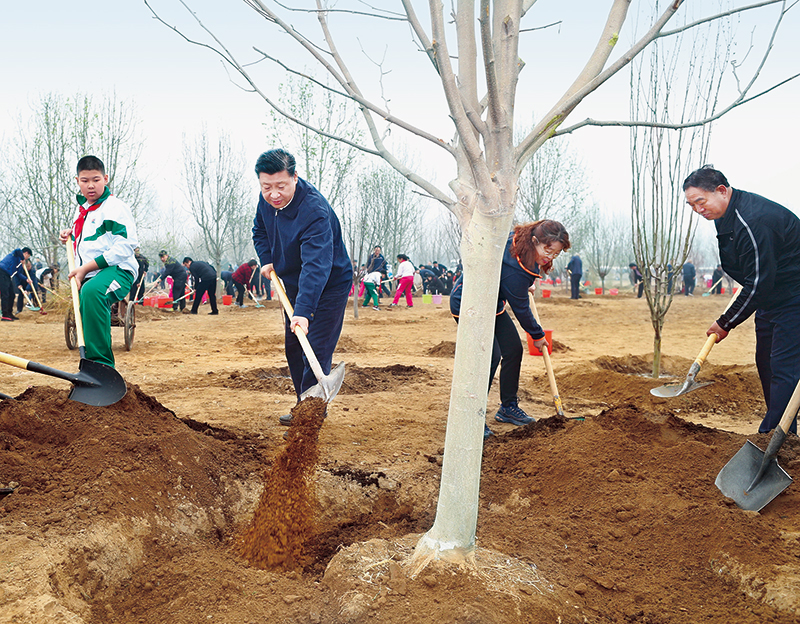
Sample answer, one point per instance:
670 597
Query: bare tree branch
717 16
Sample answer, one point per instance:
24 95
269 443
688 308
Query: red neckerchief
77 228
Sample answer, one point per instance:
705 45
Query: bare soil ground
135 513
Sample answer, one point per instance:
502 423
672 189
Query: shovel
548 365
28 302
96 383
752 478
689 383
35 293
328 385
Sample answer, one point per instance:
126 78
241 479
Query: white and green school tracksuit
109 237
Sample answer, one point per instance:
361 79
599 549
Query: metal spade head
327 387
673 390
735 480
97 384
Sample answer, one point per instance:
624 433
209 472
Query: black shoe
213 312
8 318
16 318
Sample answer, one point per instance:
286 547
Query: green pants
372 293
97 294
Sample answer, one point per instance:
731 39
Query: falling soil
136 512
283 522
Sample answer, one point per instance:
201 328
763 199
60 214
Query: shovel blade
327 387
673 390
738 474
97 384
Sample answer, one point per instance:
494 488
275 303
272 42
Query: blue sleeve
316 255
514 289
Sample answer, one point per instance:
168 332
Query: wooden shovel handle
13 360
712 339
548 365
301 335
791 409
76 302
35 294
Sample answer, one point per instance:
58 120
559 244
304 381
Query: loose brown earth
135 513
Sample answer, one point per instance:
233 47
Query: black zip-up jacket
203 272
514 283
759 247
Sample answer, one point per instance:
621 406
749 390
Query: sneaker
513 414
486 432
213 313
392 305
8 318
375 308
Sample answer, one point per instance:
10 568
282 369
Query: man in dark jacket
575 268
10 265
759 247
205 281
297 234
175 270
689 275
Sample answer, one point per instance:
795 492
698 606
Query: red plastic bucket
545 294
227 299
598 291
548 335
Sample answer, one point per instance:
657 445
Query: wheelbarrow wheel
70 330
130 326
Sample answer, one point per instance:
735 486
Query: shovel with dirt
328 386
752 478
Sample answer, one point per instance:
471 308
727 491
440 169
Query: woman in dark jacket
529 254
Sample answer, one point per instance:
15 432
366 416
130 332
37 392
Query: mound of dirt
368 379
128 514
446 348
626 379
268 379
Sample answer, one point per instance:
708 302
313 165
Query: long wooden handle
712 339
791 409
76 302
301 335
35 294
548 365
13 360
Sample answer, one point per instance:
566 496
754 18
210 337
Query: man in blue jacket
297 234
10 265
759 247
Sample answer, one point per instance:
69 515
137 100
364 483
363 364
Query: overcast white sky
68 47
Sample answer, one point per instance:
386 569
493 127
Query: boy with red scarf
105 238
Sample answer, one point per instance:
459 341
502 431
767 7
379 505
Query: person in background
405 280
372 281
205 281
759 247
47 276
137 290
636 278
241 279
9 266
575 270
689 276
716 280
175 270
298 236
529 254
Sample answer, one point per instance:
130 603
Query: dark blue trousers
778 359
323 334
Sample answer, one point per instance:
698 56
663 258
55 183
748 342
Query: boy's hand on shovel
541 344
